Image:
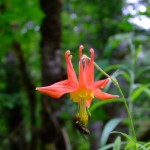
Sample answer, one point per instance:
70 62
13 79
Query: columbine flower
83 89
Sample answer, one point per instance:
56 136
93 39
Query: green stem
124 100
129 99
132 74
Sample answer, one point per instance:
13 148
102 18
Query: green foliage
140 89
121 49
132 143
101 103
117 143
109 127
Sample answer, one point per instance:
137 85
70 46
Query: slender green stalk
130 104
124 100
129 114
132 75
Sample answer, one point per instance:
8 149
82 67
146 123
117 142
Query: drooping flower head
82 89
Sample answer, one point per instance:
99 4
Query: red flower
83 89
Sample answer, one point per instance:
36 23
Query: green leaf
125 135
125 25
124 71
117 144
132 48
131 144
138 91
142 71
140 147
110 146
147 145
100 103
138 50
109 127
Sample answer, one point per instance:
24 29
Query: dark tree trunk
51 135
14 114
29 88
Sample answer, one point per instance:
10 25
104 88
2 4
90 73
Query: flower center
81 96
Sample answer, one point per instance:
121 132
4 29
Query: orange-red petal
56 90
70 70
90 73
100 83
102 95
81 69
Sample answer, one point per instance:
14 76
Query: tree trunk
29 88
51 136
13 115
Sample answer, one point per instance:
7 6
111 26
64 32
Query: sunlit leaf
109 127
101 103
117 143
147 145
139 49
138 91
131 144
125 135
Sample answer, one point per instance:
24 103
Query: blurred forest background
34 35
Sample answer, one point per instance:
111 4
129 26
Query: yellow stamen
81 96
82 111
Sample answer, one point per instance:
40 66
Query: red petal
102 95
56 90
100 83
90 73
70 70
81 73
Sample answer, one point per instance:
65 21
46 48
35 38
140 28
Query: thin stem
132 74
122 95
129 99
129 114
